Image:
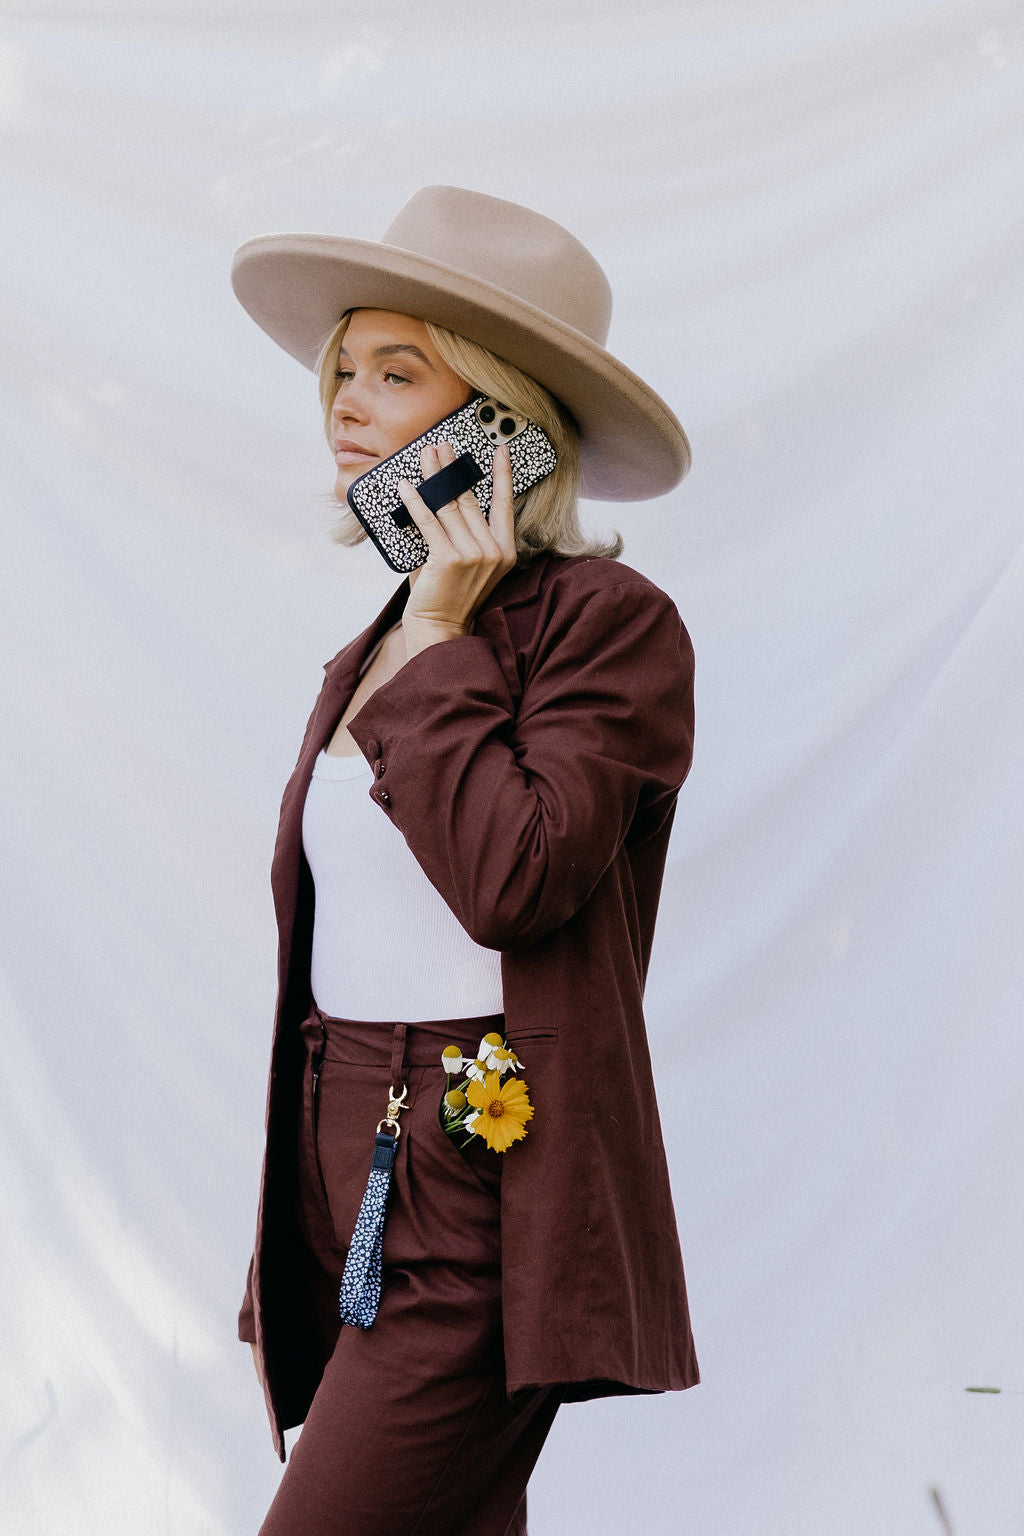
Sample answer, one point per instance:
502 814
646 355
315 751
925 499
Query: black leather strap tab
385 1148
449 483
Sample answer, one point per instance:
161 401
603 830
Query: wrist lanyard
359 1296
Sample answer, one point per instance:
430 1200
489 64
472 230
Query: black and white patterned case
475 428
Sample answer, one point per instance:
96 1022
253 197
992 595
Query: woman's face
392 386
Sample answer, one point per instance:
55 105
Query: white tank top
385 944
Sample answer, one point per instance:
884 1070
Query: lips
348 452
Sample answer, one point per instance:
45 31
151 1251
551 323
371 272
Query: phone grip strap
449 483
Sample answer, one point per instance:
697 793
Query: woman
473 841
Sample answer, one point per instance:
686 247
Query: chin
342 480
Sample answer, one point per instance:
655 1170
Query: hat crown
511 248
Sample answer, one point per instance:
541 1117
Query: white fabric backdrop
811 217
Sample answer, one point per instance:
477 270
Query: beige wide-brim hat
501 275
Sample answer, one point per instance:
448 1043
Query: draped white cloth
811 218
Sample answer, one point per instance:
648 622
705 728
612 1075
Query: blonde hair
546 514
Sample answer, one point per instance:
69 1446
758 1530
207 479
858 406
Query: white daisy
451 1059
488 1044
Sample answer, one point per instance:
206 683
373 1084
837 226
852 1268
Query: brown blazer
533 768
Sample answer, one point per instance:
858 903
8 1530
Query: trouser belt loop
398 1057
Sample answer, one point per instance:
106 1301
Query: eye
398 378
342 373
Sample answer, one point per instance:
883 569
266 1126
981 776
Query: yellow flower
455 1100
503 1110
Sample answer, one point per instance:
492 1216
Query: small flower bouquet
480 1103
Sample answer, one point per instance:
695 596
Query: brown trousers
411 1431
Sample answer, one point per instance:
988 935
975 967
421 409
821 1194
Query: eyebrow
392 349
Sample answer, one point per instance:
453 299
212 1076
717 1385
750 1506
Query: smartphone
475 429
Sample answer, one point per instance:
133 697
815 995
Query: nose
350 403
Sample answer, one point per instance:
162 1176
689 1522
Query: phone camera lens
487 413
506 426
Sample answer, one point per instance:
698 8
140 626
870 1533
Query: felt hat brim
297 286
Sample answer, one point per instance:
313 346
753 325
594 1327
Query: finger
430 462
437 456
443 455
434 535
467 503
434 457
429 456
445 533
502 521
462 518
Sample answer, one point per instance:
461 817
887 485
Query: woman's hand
467 556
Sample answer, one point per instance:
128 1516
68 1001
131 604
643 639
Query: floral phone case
476 428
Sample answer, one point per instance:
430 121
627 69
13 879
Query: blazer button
380 768
384 797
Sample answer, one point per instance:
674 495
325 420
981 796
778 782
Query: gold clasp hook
395 1107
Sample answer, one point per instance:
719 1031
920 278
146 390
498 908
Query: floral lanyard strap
359 1297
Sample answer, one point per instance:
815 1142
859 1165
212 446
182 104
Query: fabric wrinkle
425 1386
